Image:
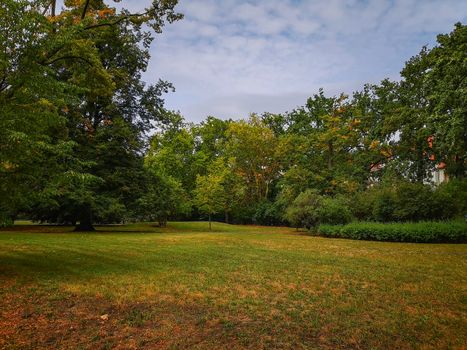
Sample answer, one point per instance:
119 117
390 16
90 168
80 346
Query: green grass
183 287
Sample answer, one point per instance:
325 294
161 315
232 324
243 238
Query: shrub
303 210
384 205
406 201
414 202
5 220
267 213
334 211
451 198
421 232
310 209
362 205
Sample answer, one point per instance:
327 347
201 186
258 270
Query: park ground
237 287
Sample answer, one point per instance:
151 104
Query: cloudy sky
229 58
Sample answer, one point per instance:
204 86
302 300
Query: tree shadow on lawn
67 229
65 264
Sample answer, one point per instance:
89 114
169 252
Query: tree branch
110 24
85 9
69 57
3 86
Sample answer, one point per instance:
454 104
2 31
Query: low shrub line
420 232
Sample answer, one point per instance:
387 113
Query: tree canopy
84 140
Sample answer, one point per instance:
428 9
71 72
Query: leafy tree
209 195
171 152
33 139
101 52
251 147
438 76
164 198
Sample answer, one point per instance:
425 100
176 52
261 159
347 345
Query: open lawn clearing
235 287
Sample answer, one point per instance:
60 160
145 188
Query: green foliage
421 232
406 201
384 205
209 195
334 211
310 209
72 101
164 198
75 118
304 210
268 213
438 76
251 146
452 197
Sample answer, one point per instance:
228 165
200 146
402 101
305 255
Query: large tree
101 52
438 77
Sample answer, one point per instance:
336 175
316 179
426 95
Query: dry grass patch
237 287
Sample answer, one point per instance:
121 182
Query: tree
34 147
164 198
252 146
209 195
171 152
438 76
101 53
325 132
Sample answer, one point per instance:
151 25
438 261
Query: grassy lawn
182 287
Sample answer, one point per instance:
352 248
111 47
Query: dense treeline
369 156
75 119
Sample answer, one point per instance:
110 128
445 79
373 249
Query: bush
303 210
406 201
421 232
451 198
267 213
310 209
334 211
362 205
5 220
384 205
415 202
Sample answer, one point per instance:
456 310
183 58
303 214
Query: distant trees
314 164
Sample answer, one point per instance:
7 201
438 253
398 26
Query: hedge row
421 232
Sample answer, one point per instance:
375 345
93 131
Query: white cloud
232 57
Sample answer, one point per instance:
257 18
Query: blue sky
230 58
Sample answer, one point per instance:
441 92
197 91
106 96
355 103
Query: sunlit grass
235 287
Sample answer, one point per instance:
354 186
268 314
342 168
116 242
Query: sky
231 58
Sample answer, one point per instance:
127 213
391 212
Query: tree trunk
209 222
85 221
226 217
53 5
331 155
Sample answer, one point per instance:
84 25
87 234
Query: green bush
421 232
384 205
310 209
415 202
334 211
5 220
362 204
451 198
407 201
303 210
268 213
